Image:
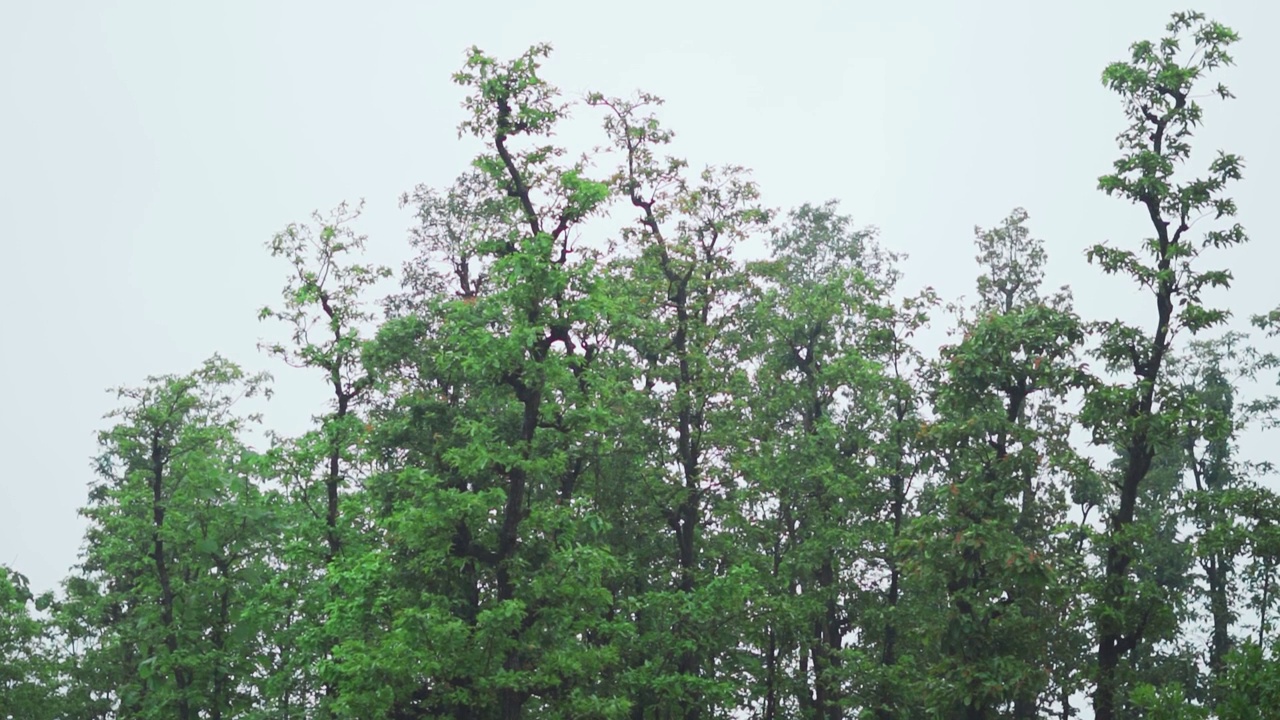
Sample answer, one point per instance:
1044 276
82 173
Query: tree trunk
181 676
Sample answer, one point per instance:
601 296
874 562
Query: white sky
149 149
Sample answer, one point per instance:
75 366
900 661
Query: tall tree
488 577
326 290
688 334
997 438
833 411
1156 85
324 306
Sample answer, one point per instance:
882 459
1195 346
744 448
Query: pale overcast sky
149 149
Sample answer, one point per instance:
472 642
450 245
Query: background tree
29 678
1223 499
997 440
170 555
819 408
687 332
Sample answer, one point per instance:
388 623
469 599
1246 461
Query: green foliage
28 669
172 552
1156 87
576 470
997 442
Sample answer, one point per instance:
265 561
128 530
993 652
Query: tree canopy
590 459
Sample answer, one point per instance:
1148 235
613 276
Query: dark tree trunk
181 675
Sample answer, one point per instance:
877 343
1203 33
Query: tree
170 555
997 440
324 305
827 465
1223 501
1156 87
688 335
487 585
29 681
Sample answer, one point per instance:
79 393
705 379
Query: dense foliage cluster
575 471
